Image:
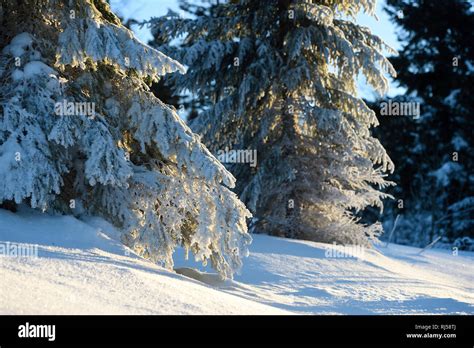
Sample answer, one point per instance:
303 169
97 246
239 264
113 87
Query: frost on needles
280 77
80 132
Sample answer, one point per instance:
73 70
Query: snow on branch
93 37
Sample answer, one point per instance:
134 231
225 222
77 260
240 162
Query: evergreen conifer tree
433 152
279 77
80 132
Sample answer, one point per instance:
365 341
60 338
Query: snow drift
82 268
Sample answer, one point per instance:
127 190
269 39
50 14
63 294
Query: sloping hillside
82 268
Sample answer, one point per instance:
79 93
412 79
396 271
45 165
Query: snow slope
82 268
296 275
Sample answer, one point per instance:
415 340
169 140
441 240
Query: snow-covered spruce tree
80 132
280 77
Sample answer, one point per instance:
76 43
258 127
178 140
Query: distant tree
279 77
81 132
433 154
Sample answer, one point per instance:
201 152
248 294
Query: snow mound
312 278
82 268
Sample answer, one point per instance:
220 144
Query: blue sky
145 9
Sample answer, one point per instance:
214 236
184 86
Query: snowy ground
82 268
